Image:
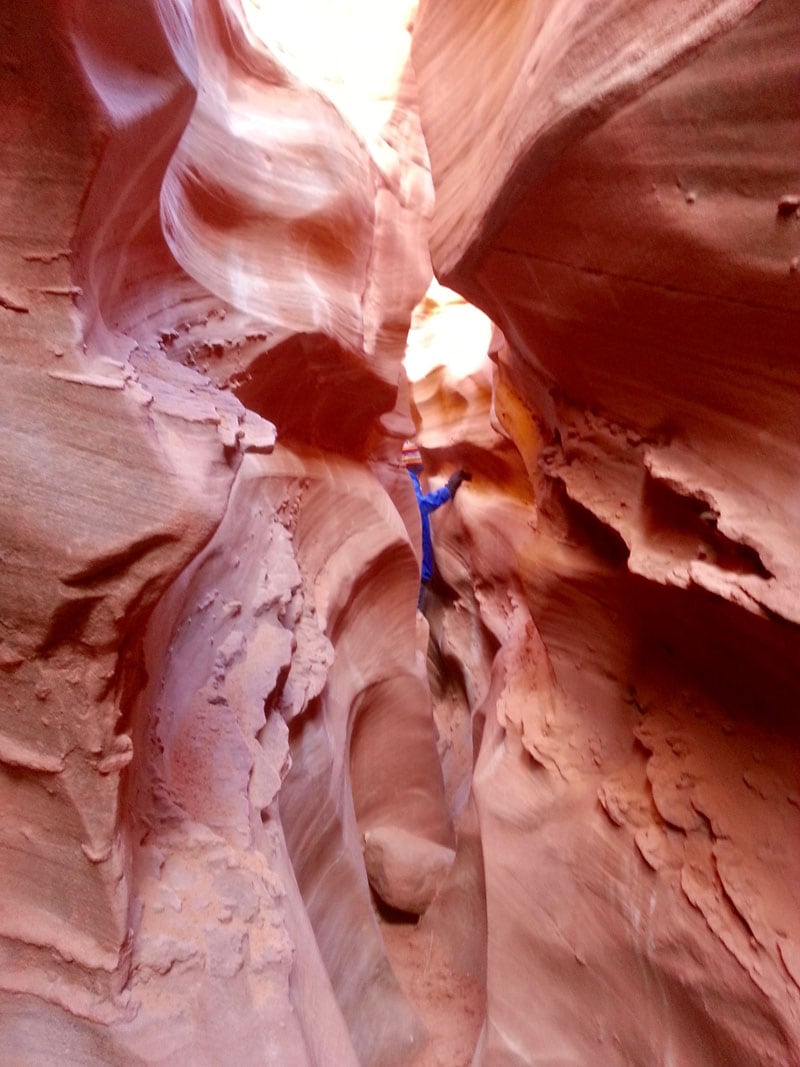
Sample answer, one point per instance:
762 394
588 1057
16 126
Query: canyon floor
451 1005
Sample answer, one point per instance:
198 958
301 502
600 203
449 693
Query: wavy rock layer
200 254
216 741
619 198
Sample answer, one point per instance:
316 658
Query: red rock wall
620 198
201 253
216 725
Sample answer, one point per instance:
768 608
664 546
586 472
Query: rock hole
689 524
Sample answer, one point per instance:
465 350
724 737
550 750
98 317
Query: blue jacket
428 502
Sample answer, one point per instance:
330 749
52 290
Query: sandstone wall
620 196
215 689
203 252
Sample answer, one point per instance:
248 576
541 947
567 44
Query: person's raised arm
433 500
455 480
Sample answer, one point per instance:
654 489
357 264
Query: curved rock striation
203 254
619 198
216 740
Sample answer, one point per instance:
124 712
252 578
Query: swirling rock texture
204 251
216 741
620 194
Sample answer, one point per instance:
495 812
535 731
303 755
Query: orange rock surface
202 254
619 197
228 742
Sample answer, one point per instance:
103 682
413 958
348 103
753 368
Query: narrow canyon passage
451 1005
259 261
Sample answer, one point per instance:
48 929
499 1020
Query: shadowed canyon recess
258 808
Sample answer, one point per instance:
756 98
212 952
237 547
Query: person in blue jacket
428 502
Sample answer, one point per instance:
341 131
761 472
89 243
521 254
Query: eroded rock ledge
618 204
203 255
215 686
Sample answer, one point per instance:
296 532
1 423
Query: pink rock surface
405 870
216 692
613 198
653 332
186 653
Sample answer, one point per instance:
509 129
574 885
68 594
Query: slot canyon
257 808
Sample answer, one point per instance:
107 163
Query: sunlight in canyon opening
448 332
356 53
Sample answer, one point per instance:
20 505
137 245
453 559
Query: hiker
428 502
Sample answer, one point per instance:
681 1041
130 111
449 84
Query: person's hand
455 480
